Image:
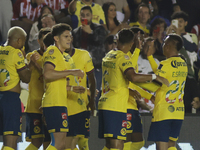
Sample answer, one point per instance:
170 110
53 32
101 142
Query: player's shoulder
81 51
51 50
96 6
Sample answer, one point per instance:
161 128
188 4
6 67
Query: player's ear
56 38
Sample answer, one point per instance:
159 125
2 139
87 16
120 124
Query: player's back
169 100
11 61
114 83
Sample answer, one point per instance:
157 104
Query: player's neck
172 54
69 51
10 43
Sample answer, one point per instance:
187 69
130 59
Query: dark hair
48 39
110 39
106 7
180 14
137 10
41 14
58 29
136 30
157 21
87 8
43 31
125 36
176 39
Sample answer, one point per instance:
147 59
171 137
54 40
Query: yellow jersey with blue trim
78 102
97 13
55 91
169 100
11 62
36 86
115 90
139 26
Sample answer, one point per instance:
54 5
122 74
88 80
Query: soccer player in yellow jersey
78 104
168 113
34 124
12 70
117 72
55 71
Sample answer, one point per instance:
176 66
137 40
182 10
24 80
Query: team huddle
62 89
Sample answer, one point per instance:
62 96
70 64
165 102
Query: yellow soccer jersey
115 91
69 61
139 26
11 61
97 13
169 100
77 102
36 87
55 93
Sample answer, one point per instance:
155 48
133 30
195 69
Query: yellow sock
83 144
127 146
50 147
2 147
31 147
105 148
137 145
114 149
7 148
172 148
76 148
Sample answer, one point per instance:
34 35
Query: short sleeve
125 63
50 57
162 70
19 61
89 67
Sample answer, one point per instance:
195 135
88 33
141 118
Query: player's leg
161 145
47 138
112 127
172 145
57 125
34 130
74 143
11 113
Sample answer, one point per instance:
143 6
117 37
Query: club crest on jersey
126 57
37 129
65 123
123 131
51 51
129 124
20 55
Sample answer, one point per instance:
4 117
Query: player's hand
78 89
138 40
78 72
87 29
96 93
92 106
151 49
195 104
162 80
152 99
34 57
135 94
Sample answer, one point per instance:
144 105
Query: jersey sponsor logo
51 51
180 109
171 108
67 57
36 122
103 99
129 116
109 65
37 129
129 124
179 74
65 123
126 57
64 115
123 131
124 123
95 17
20 62
127 63
49 58
2 61
4 52
176 64
20 55
87 122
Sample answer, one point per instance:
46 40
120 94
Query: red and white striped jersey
29 11
57 4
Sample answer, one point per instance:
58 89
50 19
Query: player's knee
137 145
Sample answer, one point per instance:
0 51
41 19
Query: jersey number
176 82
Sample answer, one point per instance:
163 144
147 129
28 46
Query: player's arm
72 6
24 74
32 61
152 61
127 13
51 75
76 89
92 88
141 103
135 56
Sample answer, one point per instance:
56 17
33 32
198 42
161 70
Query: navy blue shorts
165 130
134 122
56 119
79 124
34 126
112 124
10 113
